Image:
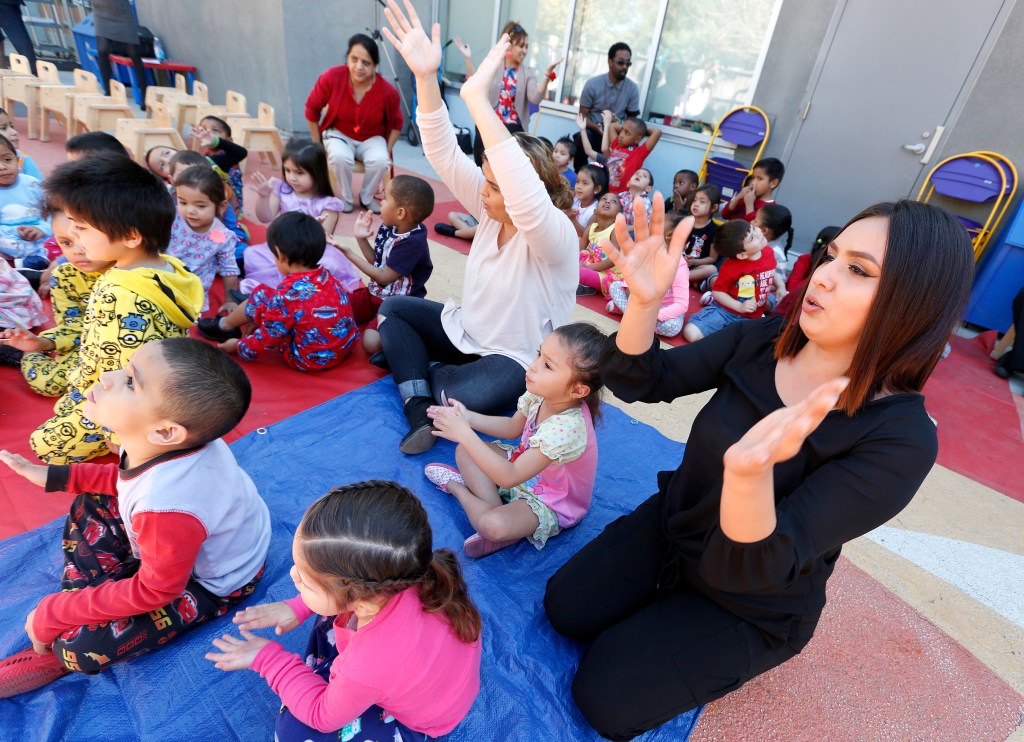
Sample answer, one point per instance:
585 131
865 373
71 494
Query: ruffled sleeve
562 437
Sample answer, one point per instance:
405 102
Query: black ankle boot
420 437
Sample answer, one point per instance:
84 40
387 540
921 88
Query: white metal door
888 84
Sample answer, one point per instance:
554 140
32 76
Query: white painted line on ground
993 577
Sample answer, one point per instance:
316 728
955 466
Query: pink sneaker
27 671
477 546
441 474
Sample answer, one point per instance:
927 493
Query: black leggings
96 549
654 653
1015 358
106 47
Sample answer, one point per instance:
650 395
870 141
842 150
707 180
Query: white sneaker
611 308
705 300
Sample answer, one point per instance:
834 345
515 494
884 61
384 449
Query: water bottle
158 49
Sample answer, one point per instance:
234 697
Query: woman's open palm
647 264
479 82
422 54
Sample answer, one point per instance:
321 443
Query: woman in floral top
518 86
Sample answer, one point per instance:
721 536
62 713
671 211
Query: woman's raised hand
479 84
647 264
422 54
779 436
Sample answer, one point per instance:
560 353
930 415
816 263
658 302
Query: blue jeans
425 362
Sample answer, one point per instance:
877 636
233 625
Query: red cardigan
378 114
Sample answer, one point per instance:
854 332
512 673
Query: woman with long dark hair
816 434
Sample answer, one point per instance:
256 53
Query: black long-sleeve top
852 474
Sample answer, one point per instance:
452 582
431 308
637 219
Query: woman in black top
817 434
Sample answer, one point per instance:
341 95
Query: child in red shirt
626 149
765 177
308 315
743 284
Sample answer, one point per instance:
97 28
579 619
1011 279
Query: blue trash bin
1000 278
85 41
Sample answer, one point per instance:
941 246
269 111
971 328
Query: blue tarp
175 694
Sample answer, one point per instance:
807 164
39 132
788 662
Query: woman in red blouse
355 113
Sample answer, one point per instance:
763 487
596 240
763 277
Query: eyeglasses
623 62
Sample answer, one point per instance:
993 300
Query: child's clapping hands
450 421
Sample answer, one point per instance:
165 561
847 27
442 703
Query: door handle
917 149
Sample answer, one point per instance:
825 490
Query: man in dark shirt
612 92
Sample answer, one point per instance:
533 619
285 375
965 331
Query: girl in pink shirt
544 483
395 649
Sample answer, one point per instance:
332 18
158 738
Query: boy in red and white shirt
174 535
625 147
744 282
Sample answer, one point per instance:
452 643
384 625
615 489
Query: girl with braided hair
395 649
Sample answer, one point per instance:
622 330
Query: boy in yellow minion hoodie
120 212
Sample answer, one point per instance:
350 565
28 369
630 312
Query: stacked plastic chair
746 126
980 177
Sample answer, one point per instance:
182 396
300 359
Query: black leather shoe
209 327
582 290
446 229
380 360
1002 367
420 437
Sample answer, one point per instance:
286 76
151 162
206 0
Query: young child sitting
174 535
776 221
119 213
563 153
186 158
233 176
764 178
672 314
223 155
591 182
701 257
743 284
626 149
25 163
304 186
92 143
308 316
597 272
684 185
20 309
638 188
398 262
21 243
199 238
544 484
394 652
50 356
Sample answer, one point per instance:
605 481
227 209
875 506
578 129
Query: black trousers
1015 357
96 549
13 26
106 47
653 653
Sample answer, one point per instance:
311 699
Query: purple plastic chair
743 127
976 177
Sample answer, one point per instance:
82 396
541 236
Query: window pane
473 22
599 24
706 59
545 22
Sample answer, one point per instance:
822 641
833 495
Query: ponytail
442 590
789 241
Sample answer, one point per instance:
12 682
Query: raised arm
423 57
